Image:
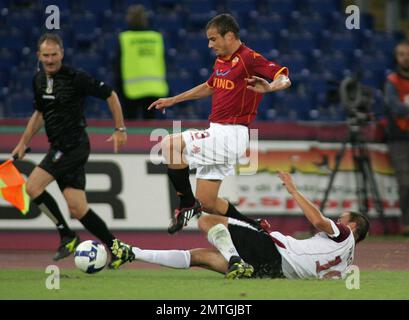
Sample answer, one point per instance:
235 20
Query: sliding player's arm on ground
312 213
35 123
201 91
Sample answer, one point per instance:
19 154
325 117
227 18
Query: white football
90 256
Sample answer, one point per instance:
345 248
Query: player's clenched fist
287 181
162 103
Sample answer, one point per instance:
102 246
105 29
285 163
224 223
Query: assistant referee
59 95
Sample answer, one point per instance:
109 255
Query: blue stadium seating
19 105
308 36
193 7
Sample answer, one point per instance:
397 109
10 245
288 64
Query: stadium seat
193 7
63 5
273 24
240 6
196 40
196 22
384 41
19 105
261 42
295 63
302 42
313 24
96 6
171 23
344 42
179 82
281 7
87 62
21 80
323 7
12 41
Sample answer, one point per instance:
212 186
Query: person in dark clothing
59 94
397 108
140 65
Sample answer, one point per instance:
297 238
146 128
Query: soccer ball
90 256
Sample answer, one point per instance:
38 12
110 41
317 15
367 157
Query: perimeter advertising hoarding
129 192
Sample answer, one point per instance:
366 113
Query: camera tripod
364 175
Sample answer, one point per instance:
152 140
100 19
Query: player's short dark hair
224 23
362 224
50 37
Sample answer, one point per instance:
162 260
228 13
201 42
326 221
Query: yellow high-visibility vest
143 67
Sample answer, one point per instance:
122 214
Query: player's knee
204 223
208 205
76 211
32 190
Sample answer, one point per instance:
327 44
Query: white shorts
214 152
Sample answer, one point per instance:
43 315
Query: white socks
220 237
179 259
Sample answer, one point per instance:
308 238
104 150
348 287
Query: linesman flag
13 187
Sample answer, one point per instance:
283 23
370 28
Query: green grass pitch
195 284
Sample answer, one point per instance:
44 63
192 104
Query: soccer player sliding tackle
243 251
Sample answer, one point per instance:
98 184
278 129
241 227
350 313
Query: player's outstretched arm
198 92
119 136
261 85
35 123
312 213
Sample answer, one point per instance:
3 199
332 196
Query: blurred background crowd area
308 36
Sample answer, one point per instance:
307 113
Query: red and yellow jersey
232 102
402 87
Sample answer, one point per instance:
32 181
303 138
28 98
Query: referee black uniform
60 98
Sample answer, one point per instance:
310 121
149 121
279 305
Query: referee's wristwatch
120 129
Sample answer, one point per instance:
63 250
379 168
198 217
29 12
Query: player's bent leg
38 180
219 236
178 173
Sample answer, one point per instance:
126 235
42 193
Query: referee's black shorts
67 167
256 248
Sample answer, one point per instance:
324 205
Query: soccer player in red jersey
236 85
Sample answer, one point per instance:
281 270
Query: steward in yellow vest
142 66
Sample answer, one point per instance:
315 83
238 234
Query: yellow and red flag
13 187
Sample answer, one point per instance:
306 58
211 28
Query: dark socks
49 206
181 182
94 224
233 213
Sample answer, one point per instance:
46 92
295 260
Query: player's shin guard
220 237
180 180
